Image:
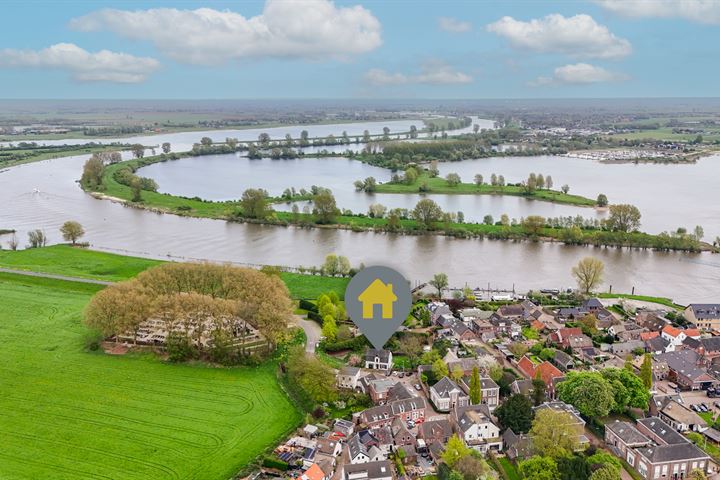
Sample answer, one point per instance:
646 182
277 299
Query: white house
359 453
475 426
673 335
446 395
349 377
378 359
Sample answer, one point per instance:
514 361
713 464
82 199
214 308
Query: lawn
84 263
510 469
659 300
69 413
75 262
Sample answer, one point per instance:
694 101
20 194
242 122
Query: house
475 426
329 446
516 446
349 378
623 437
687 369
546 370
314 473
708 348
399 391
381 470
482 327
630 331
470 315
379 389
658 345
578 342
462 332
490 391
645 336
359 452
343 428
672 455
576 422
673 335
446 395
438 309
504 326
409 409
682 418
563 361
522 387
513 312
654 321
591 306
378 359
401 434
704 315
623 349
376 416
435 431
561 336
378 293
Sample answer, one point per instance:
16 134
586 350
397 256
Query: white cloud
579 74
453 25
102 66
701 11
313 29
433 73
578 36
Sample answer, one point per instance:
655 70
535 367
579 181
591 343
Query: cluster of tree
194 301
109 131
125 175
596 394
368 185
336 265
460 462
331 311
311 375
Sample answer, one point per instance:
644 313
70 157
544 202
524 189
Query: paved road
55 277
312 332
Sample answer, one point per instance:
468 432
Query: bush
276 463
307 305
356 344
179 347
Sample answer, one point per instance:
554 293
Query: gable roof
383 354
644 336
627 433
436 428
705 311
662 430
671 331
548 372
466 417
381 469
314 473
444 387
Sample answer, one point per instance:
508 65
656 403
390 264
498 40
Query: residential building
381 470
379 389
622 437
681 418
704 315
687 369
349 378
378 359
446 395
475 426
435 431
563 361
359 452
548 372
623 349
516 446
314 473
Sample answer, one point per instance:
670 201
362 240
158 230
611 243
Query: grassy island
430 185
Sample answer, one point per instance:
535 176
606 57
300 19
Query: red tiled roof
526 366
648 335
548 371
566 332
692 332
314 473
537 325
672 331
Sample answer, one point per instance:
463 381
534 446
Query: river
45 194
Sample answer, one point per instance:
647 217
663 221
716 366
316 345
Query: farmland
70 413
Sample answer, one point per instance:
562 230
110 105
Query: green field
439 185
69 414
75 262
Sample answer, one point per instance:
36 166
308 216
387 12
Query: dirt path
55 277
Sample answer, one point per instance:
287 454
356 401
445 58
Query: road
55 277
312 332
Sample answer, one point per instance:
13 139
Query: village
490 388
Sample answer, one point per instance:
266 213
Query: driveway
312 332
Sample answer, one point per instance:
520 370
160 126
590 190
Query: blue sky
360 49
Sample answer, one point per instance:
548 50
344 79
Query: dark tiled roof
444 386
705 310
664 431
384 355
373 470
683 361
672 453
627 433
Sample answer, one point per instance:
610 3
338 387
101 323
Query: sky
360 49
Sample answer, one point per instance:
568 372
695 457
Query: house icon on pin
377 293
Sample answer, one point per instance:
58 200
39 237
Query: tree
324 207
602 459
565 188
453 179
516 414
377 210
493 180
605 473
698 232
475 387
628 389
93 172
412 346
455 449
439 369
471 467
166 147
646 371
366 136
440 282
71 231
411 175
553 433
206 141
588 324
588 274
549 182
13 243
501 180
457 373
697 474
479 180
329 327
315 377
574 467
386 133
518 349
533 224
602 200
138 150
254 203
136 187
264 139
540 181
624 218
538 391
488 219
426 212
37 239
590 392
539 468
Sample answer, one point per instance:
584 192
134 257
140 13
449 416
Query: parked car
417 386
704 407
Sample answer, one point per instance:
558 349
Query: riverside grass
69 413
